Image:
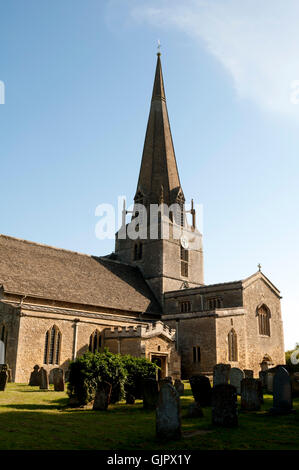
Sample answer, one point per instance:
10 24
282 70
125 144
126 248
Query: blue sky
78 79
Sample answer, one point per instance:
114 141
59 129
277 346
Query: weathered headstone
44 379
248 373
130 399
269 382
179 386
35 377
263 378
168 420
221 374
102 398
236 375
251 391
224 405
3 377
167 380
282 392
194 410
201 389
150 393
58 380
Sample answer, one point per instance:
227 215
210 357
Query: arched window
95 342
263 314
232 346
184 261
52 346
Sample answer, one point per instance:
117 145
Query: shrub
87 370
138 369
292 367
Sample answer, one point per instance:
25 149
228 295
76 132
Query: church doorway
266 363
161 362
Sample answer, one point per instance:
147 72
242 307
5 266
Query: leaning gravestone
221 374
251 391
282 392
179 386
102 398
44 379
201 389
235 377
168 420
224 405
3 377
248 373
150 393
58 379
35 377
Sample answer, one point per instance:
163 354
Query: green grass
34 419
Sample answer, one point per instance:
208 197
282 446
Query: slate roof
43 271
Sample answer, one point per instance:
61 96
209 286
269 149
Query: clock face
184 242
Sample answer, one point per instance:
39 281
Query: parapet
144 331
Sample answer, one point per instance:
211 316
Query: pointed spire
158 166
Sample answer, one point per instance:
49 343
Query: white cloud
256 41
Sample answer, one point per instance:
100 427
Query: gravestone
9 372
44 379
221 374
224 405
179 386
168 420
35 377
102 398
251 391
167 380
130 399
295 384
58 379
236 375
248 373
194 410
269 382
3 377
263 378
282 393
201 389
150 393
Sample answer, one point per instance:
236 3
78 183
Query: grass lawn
34 419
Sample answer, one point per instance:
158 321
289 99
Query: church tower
158 239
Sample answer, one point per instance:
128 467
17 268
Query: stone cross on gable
259 266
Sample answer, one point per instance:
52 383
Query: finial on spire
259 266
159 48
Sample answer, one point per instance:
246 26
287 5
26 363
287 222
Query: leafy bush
138 369
292 367
87 370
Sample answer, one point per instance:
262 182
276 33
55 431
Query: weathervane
159 47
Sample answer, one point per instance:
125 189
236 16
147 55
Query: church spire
158 165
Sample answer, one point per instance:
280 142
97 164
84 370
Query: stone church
148 298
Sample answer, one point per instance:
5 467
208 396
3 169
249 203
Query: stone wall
10 318
256 293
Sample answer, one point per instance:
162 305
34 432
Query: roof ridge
29 242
